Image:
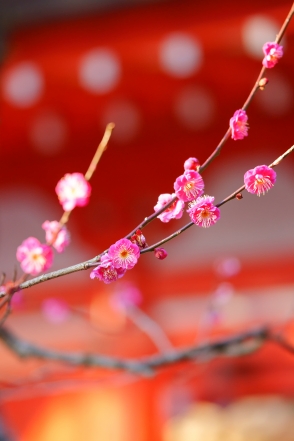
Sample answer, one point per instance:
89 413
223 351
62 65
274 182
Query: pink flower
33 256
124 254
189 186
202 211
106 272
139 239
259 179
273 52
238 125
191 164
58 237
160 253
73 191
175 211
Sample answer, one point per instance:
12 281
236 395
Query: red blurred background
169 74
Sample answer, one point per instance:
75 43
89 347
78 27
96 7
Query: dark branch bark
237 345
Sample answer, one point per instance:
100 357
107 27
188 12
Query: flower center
205 213
124 254
260 179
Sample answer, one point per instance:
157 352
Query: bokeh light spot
277 99
126 117
194 107
257 30
180 55
99 71
48 133
23 84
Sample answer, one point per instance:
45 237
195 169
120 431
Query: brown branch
92 262
236 345
282 342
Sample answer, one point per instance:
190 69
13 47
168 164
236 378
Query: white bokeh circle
257 30
99 71
180 55
23 84
48 133
194 107
127 119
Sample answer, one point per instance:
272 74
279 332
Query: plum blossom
124 254
33 256
259 179
189 186
139 239
175 211
160 253
202 211
191 164
73 190
272 53
106 272
238 125
56 235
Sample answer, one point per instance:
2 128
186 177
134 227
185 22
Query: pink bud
192 164
139 239
160 253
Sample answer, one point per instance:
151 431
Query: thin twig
91 169
100 150
255 88
151 328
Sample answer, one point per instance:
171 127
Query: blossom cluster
189 187
34 257
74 190
121 256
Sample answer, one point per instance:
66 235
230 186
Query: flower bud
139 239
192 164
239 196
160 253
262 83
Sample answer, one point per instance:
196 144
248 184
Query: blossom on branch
106 272
238 125
33 256
273 52
202 211
139 239
160 253
56 235
73 190
259 179
175 211
189 186
124 254
191 164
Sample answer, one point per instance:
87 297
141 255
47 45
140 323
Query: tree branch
240 344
